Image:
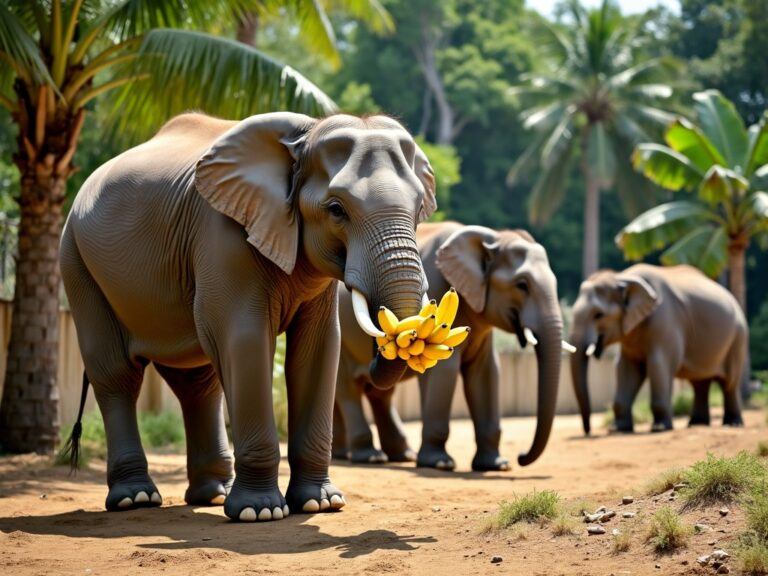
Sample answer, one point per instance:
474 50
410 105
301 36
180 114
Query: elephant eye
336 210
522 286
598 315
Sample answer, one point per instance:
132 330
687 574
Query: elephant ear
463 260
640 299
246 175
426 175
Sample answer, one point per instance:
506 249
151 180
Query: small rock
595 530
680 486
497 560
627 500
43 496
720 555
703 560
607 515
684 562
436 509
699 528
657 566
615 532
601 509
724 511
592 517
723 570
712 542
628 515
207 538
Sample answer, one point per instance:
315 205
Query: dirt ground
399 519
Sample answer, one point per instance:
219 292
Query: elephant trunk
548 354
395 278
579 366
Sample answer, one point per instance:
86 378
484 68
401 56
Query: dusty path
399 520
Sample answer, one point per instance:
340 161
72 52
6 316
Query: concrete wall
518 381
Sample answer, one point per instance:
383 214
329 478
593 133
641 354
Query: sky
627 6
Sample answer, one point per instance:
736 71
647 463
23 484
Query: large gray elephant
671 322
504 281
194 250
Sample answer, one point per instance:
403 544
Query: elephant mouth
596 348
526 335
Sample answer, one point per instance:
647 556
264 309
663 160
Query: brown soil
399 519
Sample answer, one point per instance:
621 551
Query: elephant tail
71 450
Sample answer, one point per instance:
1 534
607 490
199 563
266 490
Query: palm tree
56 58
726 166
599 98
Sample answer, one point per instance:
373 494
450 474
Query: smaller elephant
504 281
671 322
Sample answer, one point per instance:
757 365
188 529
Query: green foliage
762 449
664 481
447 166
641 414
667 532
163 430
722 162
758 338
756 509
753 556
532 507
721 479
93 441
622 541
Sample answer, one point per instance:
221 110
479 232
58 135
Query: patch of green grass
664 481
641 414
93 441
762 449
753 556
533 507
164 430
721 479
756 509
667 531
682 403
564 525
622 541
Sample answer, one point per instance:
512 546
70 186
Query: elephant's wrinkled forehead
345 133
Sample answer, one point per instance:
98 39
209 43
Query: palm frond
704 247
371 12
636 192
20 50
550 188
237 81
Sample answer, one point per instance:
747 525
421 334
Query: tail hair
71 449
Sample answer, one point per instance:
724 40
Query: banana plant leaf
666 167
704 247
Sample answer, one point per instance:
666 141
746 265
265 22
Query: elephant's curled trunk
548 354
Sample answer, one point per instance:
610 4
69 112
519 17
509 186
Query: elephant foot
490 462
435 458
208 492
699 420
734 420
619 427
406 455
661 426
311 497
252 505
368 455
131 495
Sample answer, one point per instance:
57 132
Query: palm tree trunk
591 248
737 249
247 27
47 141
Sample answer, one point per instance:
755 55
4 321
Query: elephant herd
195 250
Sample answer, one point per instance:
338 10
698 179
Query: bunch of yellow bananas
424 339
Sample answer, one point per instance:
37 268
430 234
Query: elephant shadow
190 528
443 475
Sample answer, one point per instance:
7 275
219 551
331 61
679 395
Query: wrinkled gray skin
504 281
671 322
194 250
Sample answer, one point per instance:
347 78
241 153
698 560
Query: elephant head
506 280
340 196
610 305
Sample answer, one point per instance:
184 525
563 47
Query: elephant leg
116 379
661 371
700 411
209 462
359 446
312 357
732 404
437 386
339 446
389 425
629 378
481 388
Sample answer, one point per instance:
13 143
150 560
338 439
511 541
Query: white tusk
424 300
529 337
590 350
360 306
568 347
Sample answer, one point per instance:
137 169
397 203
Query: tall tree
56 58
594 103
726 166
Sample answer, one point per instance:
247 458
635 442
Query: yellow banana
416 348
388 321
409 323
428 362
383 340
456 336
389 350
414 363
426 327
449 305
439 334
403 354
429 309
404 339
437 351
